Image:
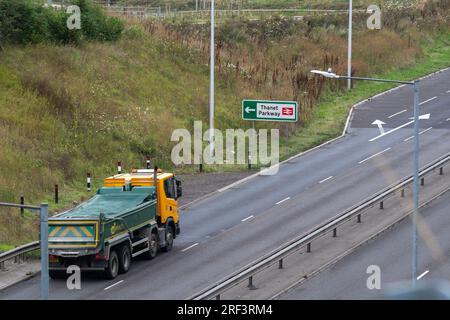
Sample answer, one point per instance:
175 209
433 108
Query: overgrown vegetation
29 22
67 110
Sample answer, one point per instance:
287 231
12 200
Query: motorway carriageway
391 252
234 227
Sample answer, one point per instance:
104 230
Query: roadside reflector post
280 264
88 182
422 182
359 218
56 193
119 167
441 171
148 162
381 205
22 201
308 247
334 232
250 284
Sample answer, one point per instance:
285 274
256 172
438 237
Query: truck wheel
112 270
169 239
57 274
153 246
124 259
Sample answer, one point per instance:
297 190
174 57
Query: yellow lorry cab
168 189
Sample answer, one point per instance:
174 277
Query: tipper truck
130 215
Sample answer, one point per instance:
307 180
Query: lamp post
415 85
349 60
211 86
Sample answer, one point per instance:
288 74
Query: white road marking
423 102
113 285
407 139
249 217
426 130
422 275
322 181
396 114
285 199
376 154
422 117
448 91
412 137
448 119
190 247
393 130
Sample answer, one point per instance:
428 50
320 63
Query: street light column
416 182
350 31
211 85
44 251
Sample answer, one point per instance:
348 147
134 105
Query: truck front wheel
112 270
152 246
124 258
169 239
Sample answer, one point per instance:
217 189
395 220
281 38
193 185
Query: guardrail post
280 264
56 193
22 201
308 247
334 232
441 171
250 284
402 194
422 181
381 205
2 266
218 297
359 218
44 251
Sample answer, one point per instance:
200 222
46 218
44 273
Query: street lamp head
327 74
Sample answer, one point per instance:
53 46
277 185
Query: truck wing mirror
179 189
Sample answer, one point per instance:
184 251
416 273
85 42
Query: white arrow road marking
412 137
249 217
379 123
376 154
322 181
113 285
422 117
423 102
281 201
396 114
190 247
248 110
423 275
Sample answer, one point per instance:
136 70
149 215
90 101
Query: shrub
25 21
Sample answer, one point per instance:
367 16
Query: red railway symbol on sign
287 111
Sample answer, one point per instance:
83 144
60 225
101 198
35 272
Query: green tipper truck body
105 232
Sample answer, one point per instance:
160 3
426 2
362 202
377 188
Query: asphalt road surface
233 228
391 252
